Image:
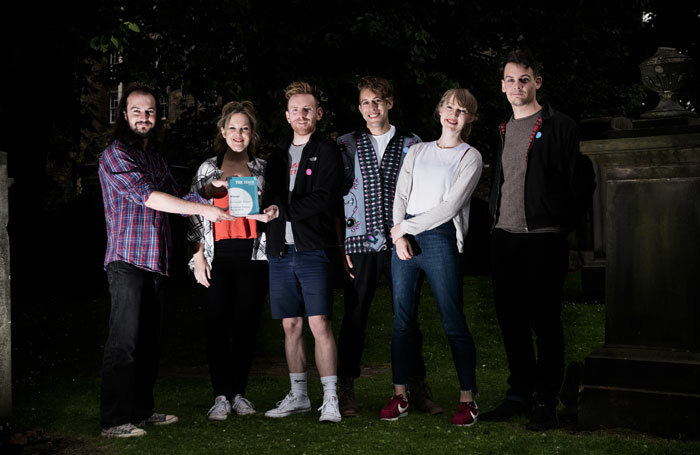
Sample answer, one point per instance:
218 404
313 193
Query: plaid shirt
135 233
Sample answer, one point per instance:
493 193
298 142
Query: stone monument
647 226
5 319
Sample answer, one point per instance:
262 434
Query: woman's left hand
397 233
403 249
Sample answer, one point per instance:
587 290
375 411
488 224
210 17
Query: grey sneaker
291 404
220 410
127 430
160 419
329 410
242 406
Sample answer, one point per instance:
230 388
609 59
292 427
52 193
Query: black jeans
232 306
528 278
130 364
368 269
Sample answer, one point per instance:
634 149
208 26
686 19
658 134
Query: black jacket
316 198
559 180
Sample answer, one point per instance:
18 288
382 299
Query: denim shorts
300 284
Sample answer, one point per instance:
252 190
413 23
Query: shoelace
286 400
217 406
244 402
330 402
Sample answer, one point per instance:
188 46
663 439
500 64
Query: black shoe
505 411
544 417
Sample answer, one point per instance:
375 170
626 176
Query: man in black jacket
302 197
542 185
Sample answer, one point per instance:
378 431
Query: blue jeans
434 252
300 284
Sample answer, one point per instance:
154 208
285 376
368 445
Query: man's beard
142 134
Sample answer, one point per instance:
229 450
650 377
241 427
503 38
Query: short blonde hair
301 88
466 100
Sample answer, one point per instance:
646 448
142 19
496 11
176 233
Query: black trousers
232 306
130 364
528 278
368 269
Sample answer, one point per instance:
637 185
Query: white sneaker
127 430
220 410
242 406
329 410
291 404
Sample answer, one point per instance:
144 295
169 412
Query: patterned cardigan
200 230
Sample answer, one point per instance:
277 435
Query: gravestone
5 319
647 375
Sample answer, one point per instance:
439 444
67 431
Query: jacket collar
546 113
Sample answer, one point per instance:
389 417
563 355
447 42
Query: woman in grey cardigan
431 215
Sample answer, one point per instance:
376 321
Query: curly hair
237 107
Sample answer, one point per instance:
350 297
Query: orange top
242 228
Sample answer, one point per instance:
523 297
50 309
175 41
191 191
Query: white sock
328 383
298 381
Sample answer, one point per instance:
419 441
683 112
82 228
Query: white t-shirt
380 142
433 174
294 158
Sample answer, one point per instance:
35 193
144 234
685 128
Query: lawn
57 386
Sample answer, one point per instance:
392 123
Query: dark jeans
439 259
368 269
130 364
232 306
528 277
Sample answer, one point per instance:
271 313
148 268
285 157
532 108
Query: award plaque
243 196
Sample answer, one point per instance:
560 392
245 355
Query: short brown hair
238 107
301 88
524 58
466 100
378 85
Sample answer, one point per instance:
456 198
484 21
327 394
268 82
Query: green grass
64 402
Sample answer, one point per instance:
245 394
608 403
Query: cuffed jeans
436 254
528 277
130 364
359 293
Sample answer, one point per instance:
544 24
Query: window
113 104
163 103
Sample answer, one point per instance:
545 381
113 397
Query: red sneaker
395 408
465 415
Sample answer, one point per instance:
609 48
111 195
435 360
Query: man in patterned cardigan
372 158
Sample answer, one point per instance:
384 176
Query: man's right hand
347 265
216 214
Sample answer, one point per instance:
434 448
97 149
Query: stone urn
667 73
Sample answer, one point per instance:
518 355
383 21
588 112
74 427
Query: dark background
220 51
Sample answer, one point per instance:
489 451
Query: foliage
219 51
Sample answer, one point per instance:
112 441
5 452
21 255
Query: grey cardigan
454 207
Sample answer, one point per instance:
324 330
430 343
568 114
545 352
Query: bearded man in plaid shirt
138 191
